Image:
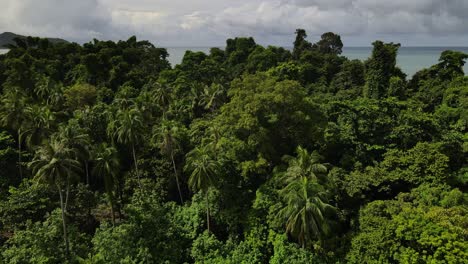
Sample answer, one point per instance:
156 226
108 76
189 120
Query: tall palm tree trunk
111 203
64 222
67 194
207 211
176 177
87 172
136 165
19 155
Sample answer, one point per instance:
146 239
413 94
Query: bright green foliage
148 235
207 249
286 252
79 96
261 105
41 242
397 87
288 71
410 230
28 202
400 170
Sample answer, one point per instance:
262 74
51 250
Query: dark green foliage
262 59
380 67
430 84
330 43
8 155
248 154
300 44
350 76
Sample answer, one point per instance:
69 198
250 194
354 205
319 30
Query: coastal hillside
7 38
243 154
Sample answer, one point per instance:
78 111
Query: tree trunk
177 178
64 222
19 155
207 211
67 192
136 165
87 172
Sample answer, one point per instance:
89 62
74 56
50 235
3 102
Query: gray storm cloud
210 22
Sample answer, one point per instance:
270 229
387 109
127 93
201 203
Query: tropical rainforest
247 154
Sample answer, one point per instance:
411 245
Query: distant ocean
410 59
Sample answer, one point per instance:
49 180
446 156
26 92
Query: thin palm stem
136 165
177 178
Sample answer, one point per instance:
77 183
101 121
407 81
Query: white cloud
66 18
195 20
207 22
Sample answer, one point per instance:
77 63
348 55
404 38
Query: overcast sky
190 23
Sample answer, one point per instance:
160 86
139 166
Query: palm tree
162 96
54 164
146 105
48 90
305 165
106 165
167 139
214 137
127 128
12 115
38 125
203 169
124 102
212 96
305 210
304 194
74 137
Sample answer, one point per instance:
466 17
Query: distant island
7 38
